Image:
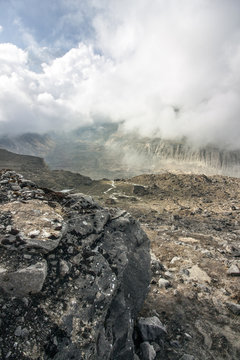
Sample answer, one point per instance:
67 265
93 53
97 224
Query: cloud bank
164 68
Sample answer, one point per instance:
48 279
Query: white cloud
1 28
155 56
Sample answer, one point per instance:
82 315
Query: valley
105 151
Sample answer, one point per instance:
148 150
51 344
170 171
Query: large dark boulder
87 274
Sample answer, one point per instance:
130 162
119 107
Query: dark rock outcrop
35 168
73 275
20 162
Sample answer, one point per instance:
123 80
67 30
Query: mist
166 69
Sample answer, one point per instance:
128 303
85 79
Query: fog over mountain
163 68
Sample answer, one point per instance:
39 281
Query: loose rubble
193 222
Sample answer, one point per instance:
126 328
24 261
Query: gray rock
234 308
87 306
147 351
45 246
64 268
15 187
164 284
233 270
21 332
151 329
34 233
25 281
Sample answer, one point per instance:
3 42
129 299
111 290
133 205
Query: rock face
73 275
153 155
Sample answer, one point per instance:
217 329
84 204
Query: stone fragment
234 308
175 259
147 351
21 332
151 328
164 284
64 268
15 187
100 219
169 274
34 233
24 281
233 270
43 245
195 273
156 265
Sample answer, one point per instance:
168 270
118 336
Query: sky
165 68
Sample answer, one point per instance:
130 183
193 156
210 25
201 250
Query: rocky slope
21 162
153 155
193 222
36 169
28 144
73 276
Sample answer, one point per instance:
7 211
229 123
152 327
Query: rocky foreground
192 310
73 277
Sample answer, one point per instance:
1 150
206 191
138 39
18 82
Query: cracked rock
25 281
233 270
151 329
82 270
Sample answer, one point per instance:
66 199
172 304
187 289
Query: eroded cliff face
158 154
73 275
104 151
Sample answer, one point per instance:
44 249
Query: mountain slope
36 169
103 150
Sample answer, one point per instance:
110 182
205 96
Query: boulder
76 299
151 329
233 270
234 308
24 281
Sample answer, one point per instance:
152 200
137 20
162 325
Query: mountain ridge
105 151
